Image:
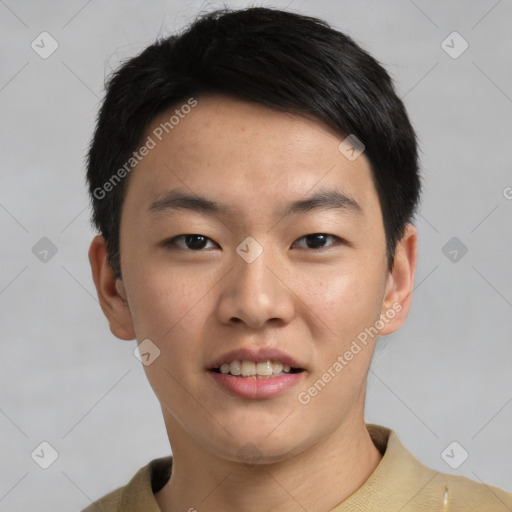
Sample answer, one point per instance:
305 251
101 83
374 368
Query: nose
257 292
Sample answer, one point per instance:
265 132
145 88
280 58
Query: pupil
319 237
189 241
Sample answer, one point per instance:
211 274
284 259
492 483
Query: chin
255 447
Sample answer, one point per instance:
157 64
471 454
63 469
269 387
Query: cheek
344 300
161 298
170 309
170 306
342 310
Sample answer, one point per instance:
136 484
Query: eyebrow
327 199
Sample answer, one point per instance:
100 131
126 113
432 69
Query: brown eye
318 240
193 242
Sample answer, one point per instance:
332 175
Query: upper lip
257 356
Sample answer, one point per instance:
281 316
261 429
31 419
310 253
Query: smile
263 369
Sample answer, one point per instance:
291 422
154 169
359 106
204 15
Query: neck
318 478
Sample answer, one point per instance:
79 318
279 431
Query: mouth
246 369
256 374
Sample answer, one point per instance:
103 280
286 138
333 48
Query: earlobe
111 292
398 297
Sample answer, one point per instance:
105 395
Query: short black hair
280 59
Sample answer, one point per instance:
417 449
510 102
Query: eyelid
337 240
171 242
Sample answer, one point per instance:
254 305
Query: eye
197 242
317 240
193 242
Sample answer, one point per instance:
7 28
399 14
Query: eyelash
172 241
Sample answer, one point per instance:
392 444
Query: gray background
64 379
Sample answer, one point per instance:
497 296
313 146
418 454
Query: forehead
248 155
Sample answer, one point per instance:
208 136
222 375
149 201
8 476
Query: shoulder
466 495
138 494
109 503
404 483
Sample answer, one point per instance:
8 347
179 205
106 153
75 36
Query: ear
110 290
400 283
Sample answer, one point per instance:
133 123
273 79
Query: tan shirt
400 483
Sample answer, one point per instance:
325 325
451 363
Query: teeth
277 367
264 369
234 368
252 369
248 368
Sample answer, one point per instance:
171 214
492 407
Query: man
254 181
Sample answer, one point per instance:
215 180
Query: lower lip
253 387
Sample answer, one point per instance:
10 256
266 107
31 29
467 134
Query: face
276 257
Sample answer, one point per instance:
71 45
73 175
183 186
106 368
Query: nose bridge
254 278
254 293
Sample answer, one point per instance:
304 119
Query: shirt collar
396 481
